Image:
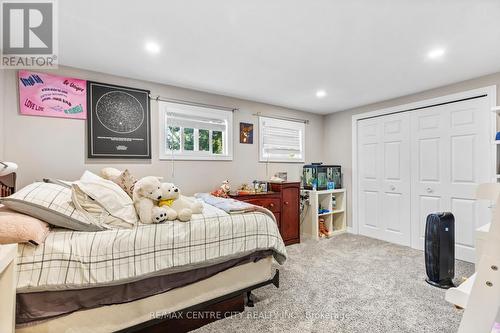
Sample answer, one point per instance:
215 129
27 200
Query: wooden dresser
283 201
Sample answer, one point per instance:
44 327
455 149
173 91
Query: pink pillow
20 228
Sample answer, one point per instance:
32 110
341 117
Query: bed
116 279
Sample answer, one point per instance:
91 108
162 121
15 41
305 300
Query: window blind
195 133
281 140
175 119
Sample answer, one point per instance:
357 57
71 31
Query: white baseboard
350 230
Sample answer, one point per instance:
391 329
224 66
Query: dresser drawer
272 204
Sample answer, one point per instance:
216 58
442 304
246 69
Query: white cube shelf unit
335 218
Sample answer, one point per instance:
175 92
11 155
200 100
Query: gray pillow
51 203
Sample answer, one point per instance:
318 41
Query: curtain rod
181 101
297 120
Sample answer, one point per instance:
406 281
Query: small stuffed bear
183 206
147 192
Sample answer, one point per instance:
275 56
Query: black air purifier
440 249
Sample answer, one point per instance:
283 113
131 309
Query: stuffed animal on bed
183 206
147 193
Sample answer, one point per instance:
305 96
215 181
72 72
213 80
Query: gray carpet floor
349 283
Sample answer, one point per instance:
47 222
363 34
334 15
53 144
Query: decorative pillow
126 181
110 173
51 203
109 196
20 228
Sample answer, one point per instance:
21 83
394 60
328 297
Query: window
281 140
195 133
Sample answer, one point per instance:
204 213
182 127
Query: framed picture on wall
246 133
47 95
118 122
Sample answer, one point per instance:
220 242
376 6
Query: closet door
369 178
396 197
451 156
430 169
384 178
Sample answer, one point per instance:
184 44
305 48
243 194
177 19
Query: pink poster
42 94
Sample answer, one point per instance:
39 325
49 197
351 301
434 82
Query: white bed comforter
75 260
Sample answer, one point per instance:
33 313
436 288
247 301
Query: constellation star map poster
118 122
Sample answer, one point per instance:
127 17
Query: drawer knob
286 202
271 205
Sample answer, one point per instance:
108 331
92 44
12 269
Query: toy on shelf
323 230
223 190
245 189
323 211
257 187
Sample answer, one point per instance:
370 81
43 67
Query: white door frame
490 91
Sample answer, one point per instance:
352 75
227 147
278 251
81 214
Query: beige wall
338 126
52 147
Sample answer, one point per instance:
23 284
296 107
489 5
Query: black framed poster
118 122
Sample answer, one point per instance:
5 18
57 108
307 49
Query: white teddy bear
147 193
183 206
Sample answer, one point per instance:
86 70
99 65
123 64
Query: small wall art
246 133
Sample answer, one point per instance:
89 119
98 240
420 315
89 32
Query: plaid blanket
76 260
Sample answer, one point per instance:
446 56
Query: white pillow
51 203
110 173
111 197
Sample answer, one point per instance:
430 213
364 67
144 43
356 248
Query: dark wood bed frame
198 315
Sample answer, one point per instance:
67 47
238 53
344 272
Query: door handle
429 190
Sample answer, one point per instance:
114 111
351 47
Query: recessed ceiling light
320 93
152 47
435 53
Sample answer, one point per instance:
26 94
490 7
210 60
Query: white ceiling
283 51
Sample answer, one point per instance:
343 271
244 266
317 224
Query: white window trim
165 107
261 142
